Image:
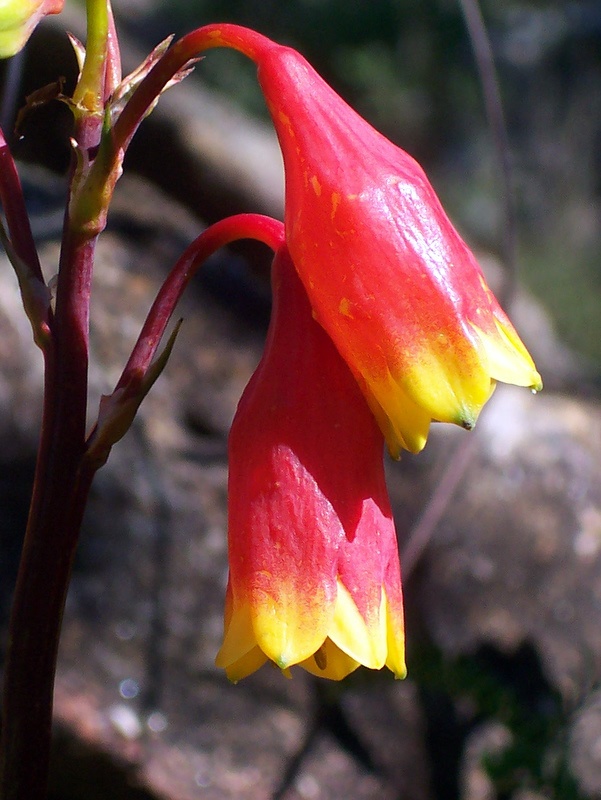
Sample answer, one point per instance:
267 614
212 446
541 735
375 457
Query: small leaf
34 292
80 50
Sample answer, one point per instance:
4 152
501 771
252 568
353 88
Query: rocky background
500 533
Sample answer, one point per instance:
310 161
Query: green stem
61 486
88 96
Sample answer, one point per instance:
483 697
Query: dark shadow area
16 481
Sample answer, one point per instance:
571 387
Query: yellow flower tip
400 673
467 418
289 627
375 643
284 630
509 361
404 424
351 642
239 638
395 633
244 666
536 384
365 642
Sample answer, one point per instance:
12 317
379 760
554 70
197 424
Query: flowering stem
65 469
246 41
62 476
67 462
143 367
61 485
44 571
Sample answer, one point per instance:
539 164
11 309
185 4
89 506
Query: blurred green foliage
510 692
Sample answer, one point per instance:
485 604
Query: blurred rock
585 745
517 557
528 794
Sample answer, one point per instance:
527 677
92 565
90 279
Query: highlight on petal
388 276
314 572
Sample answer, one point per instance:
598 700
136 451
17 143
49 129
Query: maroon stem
63 479
35 628
61 485
60 491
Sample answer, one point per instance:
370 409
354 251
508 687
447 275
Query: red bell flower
387 274
314 571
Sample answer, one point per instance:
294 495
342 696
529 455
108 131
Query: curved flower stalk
314 570
18 19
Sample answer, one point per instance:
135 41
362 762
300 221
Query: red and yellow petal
387 274
311 536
